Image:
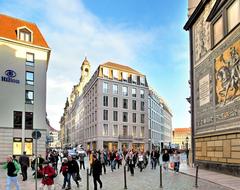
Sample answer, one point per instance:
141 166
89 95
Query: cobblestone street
146 180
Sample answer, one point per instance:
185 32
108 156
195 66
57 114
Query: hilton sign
10 74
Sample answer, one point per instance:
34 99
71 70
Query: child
64 170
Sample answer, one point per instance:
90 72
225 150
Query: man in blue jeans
12 170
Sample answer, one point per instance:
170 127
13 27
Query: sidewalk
228 181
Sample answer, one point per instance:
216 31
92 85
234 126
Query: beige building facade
23 65
214 29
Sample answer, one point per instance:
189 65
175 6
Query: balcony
125 137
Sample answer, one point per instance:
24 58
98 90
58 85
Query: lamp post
187 151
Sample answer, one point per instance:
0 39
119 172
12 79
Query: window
142 81
115 74
134 92
105 87
17 146
125 117
28 146
142 118
134 104
105 129
105 72
142 93
29 77
233 14
125 103
125 91
115 102
134 79
134 117
142 132
105 100
115 130
95 115
134 131
218 30
28 120
105 115
29 59
115 89
125 76
17 119
115 115
125 130
29 97
142 106
25 35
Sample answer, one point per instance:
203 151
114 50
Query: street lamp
187 151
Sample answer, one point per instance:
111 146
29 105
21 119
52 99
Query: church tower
85 75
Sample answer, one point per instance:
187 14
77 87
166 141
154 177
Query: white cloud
73 32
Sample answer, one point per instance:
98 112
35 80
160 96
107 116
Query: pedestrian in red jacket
48 174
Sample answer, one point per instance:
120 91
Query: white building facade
159 122
24 57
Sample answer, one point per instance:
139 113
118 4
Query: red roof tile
9 25
182 130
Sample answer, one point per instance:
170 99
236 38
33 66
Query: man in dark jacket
24 162
73 171
97 170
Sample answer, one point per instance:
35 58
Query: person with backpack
64 170
13 168
48 174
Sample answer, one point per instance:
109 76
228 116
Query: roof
121 67
9 26
199 9
182 130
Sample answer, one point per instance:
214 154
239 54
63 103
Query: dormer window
125 76
24 34
105 72
134 79
142 81
115 74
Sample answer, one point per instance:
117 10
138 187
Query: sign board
36 134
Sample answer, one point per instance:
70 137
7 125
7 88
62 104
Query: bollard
87 179
125 178
161 176
196 179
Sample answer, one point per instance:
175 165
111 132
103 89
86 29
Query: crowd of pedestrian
72 161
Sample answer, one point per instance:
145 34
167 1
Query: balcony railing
125 137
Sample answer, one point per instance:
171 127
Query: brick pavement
146 180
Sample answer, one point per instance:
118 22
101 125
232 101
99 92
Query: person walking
96 170
24 162
130 162
176 160
165 159
64 171
12 170
48 174
153 159
73 171
82 154
103 160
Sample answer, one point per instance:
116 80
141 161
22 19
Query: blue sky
147 35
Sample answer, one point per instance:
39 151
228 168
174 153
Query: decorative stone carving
202 35
227 67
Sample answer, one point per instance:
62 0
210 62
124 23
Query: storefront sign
9 77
